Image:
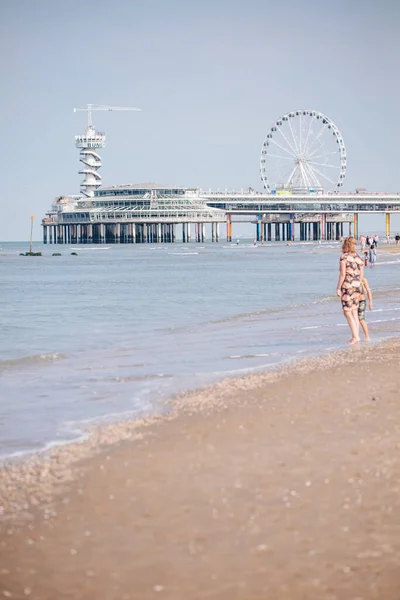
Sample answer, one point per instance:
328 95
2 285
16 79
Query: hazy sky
211 77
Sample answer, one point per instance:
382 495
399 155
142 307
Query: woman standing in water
349 286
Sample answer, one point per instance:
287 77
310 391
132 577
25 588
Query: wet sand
276 486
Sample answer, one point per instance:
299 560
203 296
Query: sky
211 77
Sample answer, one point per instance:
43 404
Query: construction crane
91 107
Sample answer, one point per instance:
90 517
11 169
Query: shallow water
116 330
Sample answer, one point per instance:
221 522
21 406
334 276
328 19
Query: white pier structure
133 213
302 155
322 214
150 213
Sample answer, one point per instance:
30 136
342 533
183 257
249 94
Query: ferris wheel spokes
293 136
312 162
314 179
308 133
294 149
324 176
282 148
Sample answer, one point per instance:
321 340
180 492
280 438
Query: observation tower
88 145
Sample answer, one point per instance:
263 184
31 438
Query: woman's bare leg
356 323
365 330
354 326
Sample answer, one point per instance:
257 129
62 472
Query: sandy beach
283 485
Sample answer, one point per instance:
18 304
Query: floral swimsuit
351 286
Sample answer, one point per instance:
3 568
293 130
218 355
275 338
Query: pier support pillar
228 228
203 232
355 221
183 233
188 232
323 227
387 224
291 228
217 232
44 234
277 236
213 232
258 230
269 232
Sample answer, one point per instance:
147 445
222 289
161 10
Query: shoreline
49 468
279 485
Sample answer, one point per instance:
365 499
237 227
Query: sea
114 332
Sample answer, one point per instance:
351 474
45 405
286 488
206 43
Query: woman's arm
342 275
369 293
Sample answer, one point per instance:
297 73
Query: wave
130 378
253 355
33 359
89 249
270 311
243 371
183 253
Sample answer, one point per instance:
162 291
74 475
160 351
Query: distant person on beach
376 240
364 294
362 241
366 258
388 239
372 256
348 287
397 238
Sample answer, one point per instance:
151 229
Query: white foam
183 253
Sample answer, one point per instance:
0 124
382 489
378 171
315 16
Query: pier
150 213
132 214
295 206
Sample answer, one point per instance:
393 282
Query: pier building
132 214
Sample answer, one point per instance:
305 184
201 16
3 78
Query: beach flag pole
30 241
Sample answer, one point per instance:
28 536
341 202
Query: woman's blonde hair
349 244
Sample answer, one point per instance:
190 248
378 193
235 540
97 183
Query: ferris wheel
303 151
